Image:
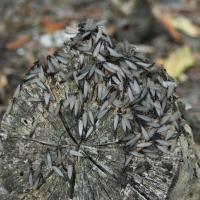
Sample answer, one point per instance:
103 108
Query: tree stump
96 121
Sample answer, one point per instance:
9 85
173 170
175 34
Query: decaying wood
61 138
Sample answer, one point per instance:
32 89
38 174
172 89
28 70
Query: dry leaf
185 25
178 61
111 30
18 42
3 82
170 28
50 25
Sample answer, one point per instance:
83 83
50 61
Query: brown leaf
170 28
3 81
50 25
184 24
18 42
111 30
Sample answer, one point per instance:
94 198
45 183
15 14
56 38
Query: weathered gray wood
60 139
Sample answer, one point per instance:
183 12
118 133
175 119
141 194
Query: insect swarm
91 116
